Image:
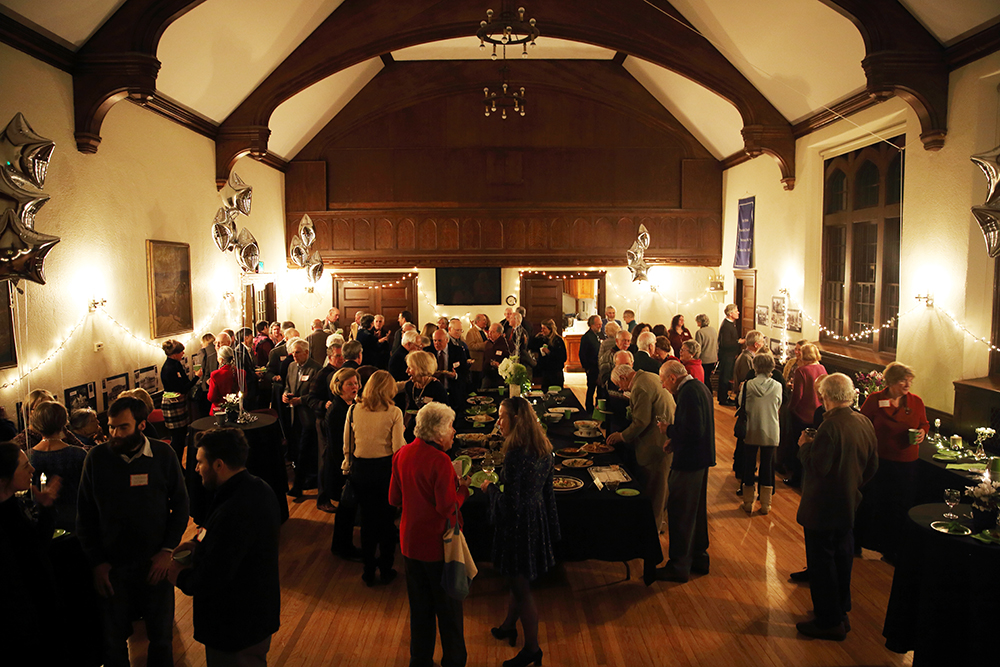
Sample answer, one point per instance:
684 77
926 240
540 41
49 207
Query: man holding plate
650 403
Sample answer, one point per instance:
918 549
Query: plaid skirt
175 412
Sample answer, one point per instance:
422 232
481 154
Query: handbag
459 568
347 495
742 418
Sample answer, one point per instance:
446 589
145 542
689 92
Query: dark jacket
299 385
174 378
644 362
590 347
247 375
835 465
317 345
692 435
319 391
234 578
397 364
371 354
729 340
458 361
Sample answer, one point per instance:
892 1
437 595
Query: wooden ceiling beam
902 59
119 62
363 29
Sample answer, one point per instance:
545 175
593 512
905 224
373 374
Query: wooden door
385 293
542 299
746 299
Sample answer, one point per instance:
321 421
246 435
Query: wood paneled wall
437 183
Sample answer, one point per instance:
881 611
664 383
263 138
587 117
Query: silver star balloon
247 250
298 251
988 163
314 271
24 155
636 262
989 222
237 195
307 232
224 229
26 200
22 250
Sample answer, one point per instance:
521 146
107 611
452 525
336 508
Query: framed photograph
8 352
168 276
762 316
113 386
778 305
795 320
146 378
775 347
777 320
82 396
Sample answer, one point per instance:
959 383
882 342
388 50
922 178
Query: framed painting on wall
795 320
8 353
81 396
168 275
113 386
763 315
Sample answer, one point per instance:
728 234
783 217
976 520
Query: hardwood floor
743 613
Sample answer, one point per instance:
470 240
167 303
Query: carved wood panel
470 237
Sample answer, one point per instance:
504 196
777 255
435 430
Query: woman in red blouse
425 485
678 333
801 408
891 492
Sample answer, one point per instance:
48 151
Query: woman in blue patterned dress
526 523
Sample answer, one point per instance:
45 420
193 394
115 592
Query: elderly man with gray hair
650 404
836 463
397 362
645 358
298 381
691 437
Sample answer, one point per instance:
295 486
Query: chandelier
507 98
510 29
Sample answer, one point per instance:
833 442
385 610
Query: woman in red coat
222 382
425 485
891 493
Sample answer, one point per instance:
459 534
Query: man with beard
233 572
132 510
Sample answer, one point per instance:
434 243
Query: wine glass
489 462
951 498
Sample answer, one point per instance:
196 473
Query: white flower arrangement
513 372
984 433
985 496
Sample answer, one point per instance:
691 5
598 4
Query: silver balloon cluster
988 215
24 161
236 197
636 262
301 250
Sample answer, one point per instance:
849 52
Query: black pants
591 388
370 478
154 603
885 503
829 557
766 477
428 602
726 364
306 452
789 454
687 518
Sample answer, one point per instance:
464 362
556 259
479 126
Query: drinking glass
951 498
612 485
489 462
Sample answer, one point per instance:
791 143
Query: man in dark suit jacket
317 342
453 367
692 439
369 343
397 338
247 368
353 354
397 362
590 347
496 350
644 360
298 380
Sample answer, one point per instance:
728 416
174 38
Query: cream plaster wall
942 249
151 179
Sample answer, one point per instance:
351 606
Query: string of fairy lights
99 308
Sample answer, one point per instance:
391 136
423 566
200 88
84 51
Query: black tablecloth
595 525
945 600
934 476
265 461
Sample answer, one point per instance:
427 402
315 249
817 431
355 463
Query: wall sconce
928 299
95 304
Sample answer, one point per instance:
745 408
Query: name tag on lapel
138 480
304 378
885 403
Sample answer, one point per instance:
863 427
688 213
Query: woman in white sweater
763 399
373 432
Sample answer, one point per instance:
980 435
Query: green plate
58 532
628 493
466 464
481 476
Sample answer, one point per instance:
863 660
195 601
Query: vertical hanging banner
744 234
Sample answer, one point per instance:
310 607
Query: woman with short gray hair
762 400
708 338
425 485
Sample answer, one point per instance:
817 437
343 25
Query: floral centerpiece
231 405
985 503
515 375
868 383
983 433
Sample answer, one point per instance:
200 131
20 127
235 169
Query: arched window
836 192
866 186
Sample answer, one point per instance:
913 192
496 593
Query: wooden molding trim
170 109
853 104
35 44
736 158
538 237
974 47
233 143
776 141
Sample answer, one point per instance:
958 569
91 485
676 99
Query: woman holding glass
526 523
551 355
373 432
900 422
425 485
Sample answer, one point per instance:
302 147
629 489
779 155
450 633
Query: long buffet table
595 524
